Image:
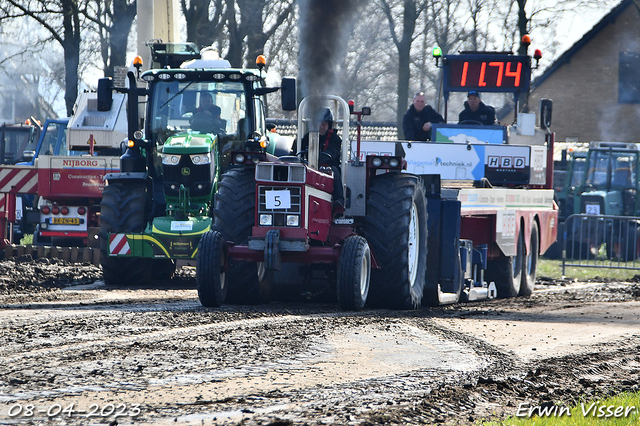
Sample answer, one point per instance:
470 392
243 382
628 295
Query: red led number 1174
496 74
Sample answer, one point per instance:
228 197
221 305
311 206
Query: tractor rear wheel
354 273
122 210
506 271
396 229
210 274
530 265
234 216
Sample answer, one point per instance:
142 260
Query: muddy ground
75 352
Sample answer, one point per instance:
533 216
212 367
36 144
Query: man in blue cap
476 111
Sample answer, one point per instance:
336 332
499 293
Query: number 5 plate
280 199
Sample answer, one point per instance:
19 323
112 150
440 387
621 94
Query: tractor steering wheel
323 157
471 122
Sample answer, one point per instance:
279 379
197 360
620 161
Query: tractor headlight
293 220
200 159
393 162
239 158
377 161
266 220
170 159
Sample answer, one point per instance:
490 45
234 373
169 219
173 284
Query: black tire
162 269
555 250
396 229
38 240
506 271
123 210
234 216
210 274
629 245
530 262
354 273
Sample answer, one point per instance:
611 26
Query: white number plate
280 199
593 208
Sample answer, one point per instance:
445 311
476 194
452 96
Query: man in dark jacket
416 123
476 110
331 144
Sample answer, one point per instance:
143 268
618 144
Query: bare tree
112 20
62 20
408 12
205 21
250 24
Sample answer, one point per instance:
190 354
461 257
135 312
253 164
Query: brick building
595 85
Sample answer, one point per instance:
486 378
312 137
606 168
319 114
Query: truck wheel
122 210
506 271
234 216
210 275
396 229
354 272
530 265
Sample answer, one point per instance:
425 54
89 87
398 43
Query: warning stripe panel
118 244
21 180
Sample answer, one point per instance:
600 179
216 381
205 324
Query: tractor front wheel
354 272
210 274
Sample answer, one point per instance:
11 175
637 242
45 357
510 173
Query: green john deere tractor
155 209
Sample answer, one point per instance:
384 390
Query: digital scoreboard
486 73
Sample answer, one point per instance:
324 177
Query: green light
437 52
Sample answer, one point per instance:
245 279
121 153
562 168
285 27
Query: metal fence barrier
598 241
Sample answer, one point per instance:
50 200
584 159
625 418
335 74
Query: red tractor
269 211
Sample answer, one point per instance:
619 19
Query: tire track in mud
300 363
258 352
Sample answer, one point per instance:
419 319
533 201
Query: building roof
568 54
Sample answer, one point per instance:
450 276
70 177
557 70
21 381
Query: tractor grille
280 173
279 215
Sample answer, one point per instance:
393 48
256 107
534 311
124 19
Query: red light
537 54
81 210
55 210
351 102
526 39
64 210
351 105
45 210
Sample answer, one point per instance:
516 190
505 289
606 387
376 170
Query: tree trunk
236 37
404 61
71 47
123 15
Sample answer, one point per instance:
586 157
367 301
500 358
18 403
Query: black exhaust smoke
325 27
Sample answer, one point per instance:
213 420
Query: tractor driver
476 110
330 143
206 117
